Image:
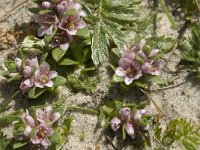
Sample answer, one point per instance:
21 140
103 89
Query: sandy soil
182 101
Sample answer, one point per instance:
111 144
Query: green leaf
58 53
123 132
15 78
48 38
8 119
99 47
84 33
116 51
35 92
85 70
140 83
34 10
45 11
117 79
68 62
19 144
3 141
58 81
120 13
43 57
142 105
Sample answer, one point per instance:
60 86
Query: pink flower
29 123
71 24
125 114
47 23
26 84
68 5
43 76
41 135
46 116
139 113
129 128
129 69
151 68
115 123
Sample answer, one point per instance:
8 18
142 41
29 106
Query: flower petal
27 71
33 62
120 72
18 63
125 113
49 84
64 46
154 52
55 117
129 129
115 123
52 74
128 80
45 142
27 130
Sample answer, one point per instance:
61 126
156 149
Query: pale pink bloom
71 24
29 123
43 76
68 5
48 5
41 135
139 113
151 68
129 69
125 114
46 116
115 123
47 23
26 84
18 63
129 128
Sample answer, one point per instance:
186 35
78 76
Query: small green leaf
15 78
48 38
34 10
116 51
58 81
68 62
84 33
70 12
117 79
58 53
123 132
35 92
45 11
19 144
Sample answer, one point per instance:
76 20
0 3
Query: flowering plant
42 128
132 118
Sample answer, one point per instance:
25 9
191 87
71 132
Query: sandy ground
182 101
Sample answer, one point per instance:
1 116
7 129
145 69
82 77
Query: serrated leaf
99 47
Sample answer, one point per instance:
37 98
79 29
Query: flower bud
115 123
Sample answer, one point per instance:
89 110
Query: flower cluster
64 16
136 62
34 74
130 121
40 129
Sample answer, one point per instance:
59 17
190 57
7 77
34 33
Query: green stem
86 110
7 101
171 19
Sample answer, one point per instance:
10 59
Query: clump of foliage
45 128
179 130
139 61
191 51
127 119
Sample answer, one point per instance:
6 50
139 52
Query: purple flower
47 23
43 76
18 63
139 113
61 39
26 84
46 116
115 123
48 5
41 135
151 68
129 129
125 114
29 123
68 5
129 69
71 24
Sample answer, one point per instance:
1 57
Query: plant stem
7 101
86 110
164 8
